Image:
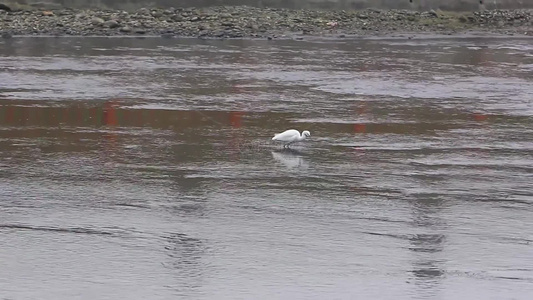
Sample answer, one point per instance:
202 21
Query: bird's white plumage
290 136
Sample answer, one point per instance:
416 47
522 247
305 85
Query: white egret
291 136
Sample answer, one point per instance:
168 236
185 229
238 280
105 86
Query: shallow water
143 169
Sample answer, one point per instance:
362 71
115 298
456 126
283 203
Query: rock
252 26
433 13
6 8
125 29
6 35
203 33
47 13
235 34
143 11
111 24
157 14
97 21
177 18
218 34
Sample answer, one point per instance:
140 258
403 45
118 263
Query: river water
143 168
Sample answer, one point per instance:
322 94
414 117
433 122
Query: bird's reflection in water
290 158
427 266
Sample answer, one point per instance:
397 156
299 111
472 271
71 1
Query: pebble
97 21
111 24
125 29
157 14
433 13
5 7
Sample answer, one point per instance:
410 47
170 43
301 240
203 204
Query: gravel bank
251 22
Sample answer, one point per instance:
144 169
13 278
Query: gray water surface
143 169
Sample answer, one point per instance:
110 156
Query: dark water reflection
143 169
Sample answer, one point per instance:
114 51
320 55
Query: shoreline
224 22
300 37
